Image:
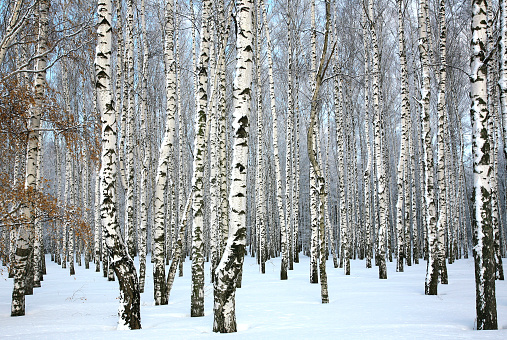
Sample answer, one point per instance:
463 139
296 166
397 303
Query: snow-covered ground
361 306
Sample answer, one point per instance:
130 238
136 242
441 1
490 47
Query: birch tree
129 310
314 213
430 220
166 151
481 222
368 167
25 230
284 233
381 171
274 115
319 75
231 262
260 212
502 62
197 297
441 153
405 111
145 151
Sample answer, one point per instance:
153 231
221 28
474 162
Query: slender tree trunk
222 127
441 170
314 195
145 152
313 159
97 221
432 268
164 173
24 243
260 211
368 168
197 297
232 260
381 170
69 199
483 237
129 310
37 244
405 111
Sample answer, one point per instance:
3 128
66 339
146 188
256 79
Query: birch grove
292 131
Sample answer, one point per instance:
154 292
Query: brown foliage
15 103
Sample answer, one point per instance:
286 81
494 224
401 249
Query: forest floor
361 306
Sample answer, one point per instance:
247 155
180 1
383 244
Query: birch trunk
130 131
405 111
314 213
69 200
97 221
197 297
381 171
368 168
222 127
129 310
38 240
441 170
24 243
232 260
482 224
502 63
145 152
260 211
284 233
313 159
432 268
164 170
279 197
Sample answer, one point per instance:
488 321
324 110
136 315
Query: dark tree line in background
212 130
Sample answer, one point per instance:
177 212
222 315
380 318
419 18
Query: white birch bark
481 222
197 297
97 221
222 127
492 125
296 191
502 62
340 147
314 223
69 200
413 198
441 152
312 151
165 154
284 233
232 260
130 130
181 154
432 268
278 179
145 152
37 244
368 167
25 231
381 171
260 211
329 224
405 112
13 235
121 73
129 309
